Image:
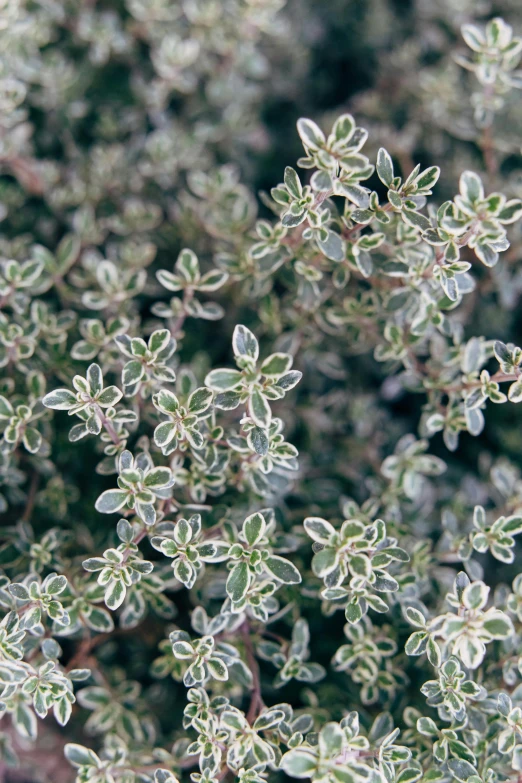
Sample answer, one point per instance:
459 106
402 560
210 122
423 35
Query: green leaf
95 379
217 669
360 565
415 219
79 756
268 719
427 179
384 167
310 133
512 525
258 441
325 561
238 582
299 763
115 594
187 265
331 740
319 529
60 400
475 595
212 280
32 440
471 187
6 409
224 380
277 364
282 569
510 212
244 343
461 769
254 528
169 280
293 183
164 433
415 617
200 400
109 396
515 392
259 409
111 500
332 246
416 643
132 372
166 401
159 340
498 625
157 478
19 591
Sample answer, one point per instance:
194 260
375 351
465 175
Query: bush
256 526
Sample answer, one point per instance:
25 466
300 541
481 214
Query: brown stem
85 648
175 329
498 377
256 701
108 426
488 150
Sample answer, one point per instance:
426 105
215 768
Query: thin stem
498 377
256 702
175 329
108 426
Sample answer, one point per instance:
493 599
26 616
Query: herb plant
260 452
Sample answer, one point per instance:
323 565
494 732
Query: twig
256 702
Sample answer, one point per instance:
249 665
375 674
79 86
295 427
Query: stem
256 702
108 426
498 377
85 648
175 329
488 150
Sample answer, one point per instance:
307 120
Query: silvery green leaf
79 756
115 594
276 364
258 441
427 179
332 247
217 669
259 409
245 343
95 379
293 183
187 265
132 372
109 396
32 440
111 500
282 569
60 400
471 187
299 763
238 582
223 380
384 167
254 528
311 135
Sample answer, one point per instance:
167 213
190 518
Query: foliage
301 405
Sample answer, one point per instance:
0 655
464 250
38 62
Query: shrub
182 589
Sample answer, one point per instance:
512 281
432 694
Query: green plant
262 508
